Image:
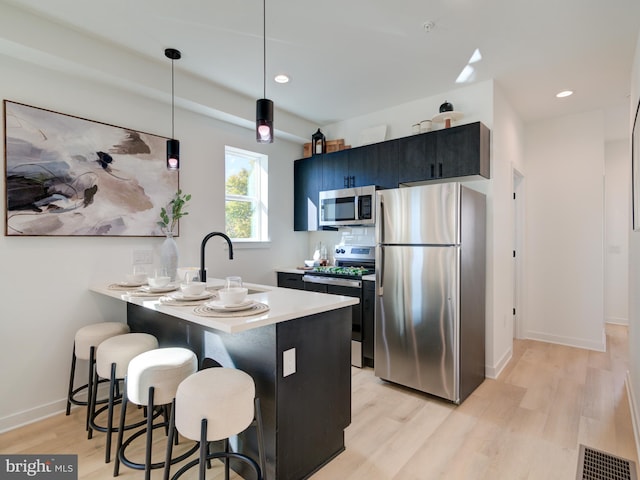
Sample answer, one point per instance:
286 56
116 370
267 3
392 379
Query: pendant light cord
264 48
172 101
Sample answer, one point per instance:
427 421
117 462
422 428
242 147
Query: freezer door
425 215
417 318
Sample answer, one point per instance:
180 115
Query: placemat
256 309
168 300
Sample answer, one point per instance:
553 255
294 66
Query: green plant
174 211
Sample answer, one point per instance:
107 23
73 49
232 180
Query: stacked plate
236 307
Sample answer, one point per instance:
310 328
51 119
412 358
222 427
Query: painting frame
635 170
71 176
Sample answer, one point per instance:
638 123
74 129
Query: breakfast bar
297 348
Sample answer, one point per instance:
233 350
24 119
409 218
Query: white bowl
232 296
193 288
158 282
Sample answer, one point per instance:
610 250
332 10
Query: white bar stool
112 360
85 343
152 380
215 404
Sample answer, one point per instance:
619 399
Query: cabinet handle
345 181
440 169
433 170
353 181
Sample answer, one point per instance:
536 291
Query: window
246 195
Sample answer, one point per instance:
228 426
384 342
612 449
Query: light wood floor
528 424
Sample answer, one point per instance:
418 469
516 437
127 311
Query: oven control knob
342 250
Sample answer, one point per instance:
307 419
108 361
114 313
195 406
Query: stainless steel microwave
348 206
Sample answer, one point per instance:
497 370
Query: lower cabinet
290 280
368 319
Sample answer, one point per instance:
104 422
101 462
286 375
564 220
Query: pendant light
264 106
173 145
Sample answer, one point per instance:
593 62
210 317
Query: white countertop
299 271
284 304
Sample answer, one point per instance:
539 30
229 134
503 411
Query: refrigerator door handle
380 220
379 269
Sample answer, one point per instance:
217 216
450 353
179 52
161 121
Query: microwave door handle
358 209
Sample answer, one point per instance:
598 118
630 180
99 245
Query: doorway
518 253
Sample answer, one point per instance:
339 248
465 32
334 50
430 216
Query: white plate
166 288
184 297
218 305
130 284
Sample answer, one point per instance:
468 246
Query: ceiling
349 58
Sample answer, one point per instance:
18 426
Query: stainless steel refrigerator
430 282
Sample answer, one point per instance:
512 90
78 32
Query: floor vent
596 465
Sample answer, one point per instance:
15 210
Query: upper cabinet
463 150
307 183
449 153
361 166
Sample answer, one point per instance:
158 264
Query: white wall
633 380
564 232
474 101
507 154
617 221
45 280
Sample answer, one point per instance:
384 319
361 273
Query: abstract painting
69 176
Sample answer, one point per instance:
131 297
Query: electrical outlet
288 362
142 257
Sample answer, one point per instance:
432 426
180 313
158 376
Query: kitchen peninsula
298 353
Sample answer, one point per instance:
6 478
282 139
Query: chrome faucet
203 272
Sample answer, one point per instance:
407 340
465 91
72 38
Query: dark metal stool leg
112 388
204 449
72 374
92 402
170 440
123 414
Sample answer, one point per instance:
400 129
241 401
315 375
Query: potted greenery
173 212
169 217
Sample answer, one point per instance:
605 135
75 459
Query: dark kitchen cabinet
335 170
357 167
290 280
375 164
368 319
463 150
307 183
445 154
417 158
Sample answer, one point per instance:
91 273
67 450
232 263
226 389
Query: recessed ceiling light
564 93
281 78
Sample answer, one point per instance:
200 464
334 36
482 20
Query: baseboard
617 321
600 346
32 415
495 371
635 413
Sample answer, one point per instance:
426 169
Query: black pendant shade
173 145
264 121
173 154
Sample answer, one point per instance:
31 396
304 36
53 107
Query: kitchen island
298 353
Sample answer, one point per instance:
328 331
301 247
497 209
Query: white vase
169 256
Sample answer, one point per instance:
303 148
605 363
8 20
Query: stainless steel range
345 278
